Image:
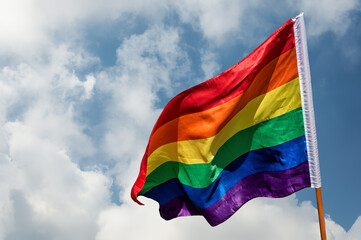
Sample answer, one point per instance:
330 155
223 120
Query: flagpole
321 217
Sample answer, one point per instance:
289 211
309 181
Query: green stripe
266 134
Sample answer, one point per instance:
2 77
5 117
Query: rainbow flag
248 132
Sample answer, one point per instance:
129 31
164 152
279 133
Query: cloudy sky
82 83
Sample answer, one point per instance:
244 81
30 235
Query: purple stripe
274 184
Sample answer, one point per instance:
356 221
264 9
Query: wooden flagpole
321 217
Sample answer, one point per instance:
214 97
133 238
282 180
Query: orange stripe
208 123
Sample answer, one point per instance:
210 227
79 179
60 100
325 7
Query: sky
83 82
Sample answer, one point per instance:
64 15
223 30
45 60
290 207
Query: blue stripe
278 158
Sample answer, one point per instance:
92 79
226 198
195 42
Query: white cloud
20 26
89 86
43 95
216 19
277 218
209 64
355 231
28 27
44 193
222 22
328 15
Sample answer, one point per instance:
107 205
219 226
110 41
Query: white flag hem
307 102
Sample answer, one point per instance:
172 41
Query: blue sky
83 82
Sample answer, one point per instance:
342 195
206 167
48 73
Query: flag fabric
248 132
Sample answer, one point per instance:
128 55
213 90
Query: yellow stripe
262 108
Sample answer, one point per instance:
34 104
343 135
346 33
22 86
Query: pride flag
248 132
